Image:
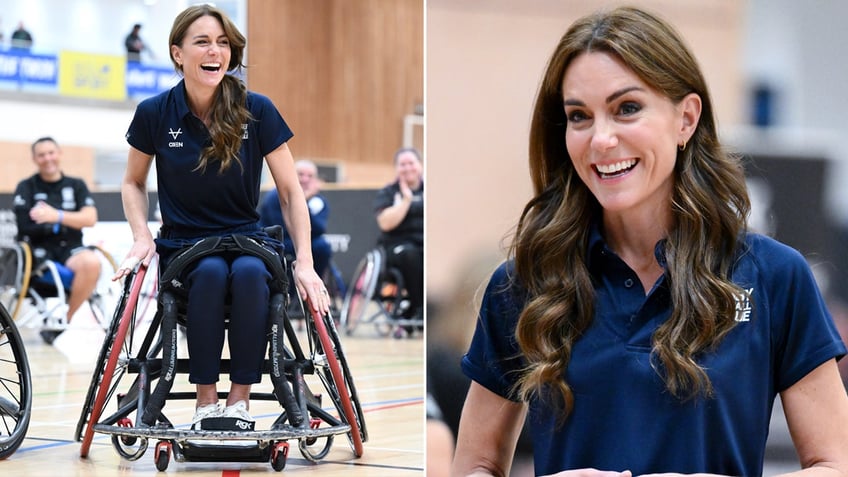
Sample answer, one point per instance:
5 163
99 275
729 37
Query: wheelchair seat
35 290
135 377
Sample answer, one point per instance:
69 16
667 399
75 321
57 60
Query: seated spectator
319 211
51 209
400 215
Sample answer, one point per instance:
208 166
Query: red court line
392 406
231 473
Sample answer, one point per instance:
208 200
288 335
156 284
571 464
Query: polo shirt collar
180 99
597 247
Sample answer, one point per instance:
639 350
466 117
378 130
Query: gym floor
388 374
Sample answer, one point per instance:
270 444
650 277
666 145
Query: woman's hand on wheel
141 252
312 289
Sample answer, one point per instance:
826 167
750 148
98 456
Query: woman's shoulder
154 104
503 281
770 246
770 253
258 100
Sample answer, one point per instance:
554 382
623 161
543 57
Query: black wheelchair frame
137 409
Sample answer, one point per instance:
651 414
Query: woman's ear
690 111
177 55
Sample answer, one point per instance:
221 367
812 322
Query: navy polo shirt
195 203
623 417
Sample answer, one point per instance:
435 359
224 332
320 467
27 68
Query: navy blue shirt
194 203
623 416
68 193
270 213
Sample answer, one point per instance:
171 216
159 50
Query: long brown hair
229 111
709 204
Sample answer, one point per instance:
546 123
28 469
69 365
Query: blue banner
23 67
144 81
20 69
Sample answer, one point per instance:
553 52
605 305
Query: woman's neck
200 103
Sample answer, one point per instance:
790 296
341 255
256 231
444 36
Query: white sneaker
238 411
203 412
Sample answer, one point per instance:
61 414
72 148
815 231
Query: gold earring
682 147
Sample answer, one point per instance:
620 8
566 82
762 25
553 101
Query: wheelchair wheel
336 288
15 386
15 270
108 368
106 294
149 289
332 369
361 291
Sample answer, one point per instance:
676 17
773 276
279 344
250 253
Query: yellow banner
84 75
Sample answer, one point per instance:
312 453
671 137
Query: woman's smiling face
621 134
204 54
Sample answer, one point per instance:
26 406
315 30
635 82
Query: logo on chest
174 135
743 305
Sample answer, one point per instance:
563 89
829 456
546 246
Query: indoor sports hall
348 79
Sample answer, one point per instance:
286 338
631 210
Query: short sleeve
272 129
84 197
140 132
493 359
804 334
384 199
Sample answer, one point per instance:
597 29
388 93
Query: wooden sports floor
388 374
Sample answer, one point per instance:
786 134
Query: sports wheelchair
15 386
376 295
35 291
123 402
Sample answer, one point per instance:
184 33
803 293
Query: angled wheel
361 290
332 368
107 293
15 387
110 368
150 289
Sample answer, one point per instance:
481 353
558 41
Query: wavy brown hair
709 205
229 109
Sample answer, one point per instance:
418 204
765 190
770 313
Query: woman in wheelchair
51 209
209 136
400 215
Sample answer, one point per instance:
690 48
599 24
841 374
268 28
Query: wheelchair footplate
195 445
170 433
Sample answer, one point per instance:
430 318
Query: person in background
135 45
638 326
270 213
399 208
21 38
51 210
208 186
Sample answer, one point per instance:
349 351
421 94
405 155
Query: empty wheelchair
136 371
15 386
35 291
376 296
